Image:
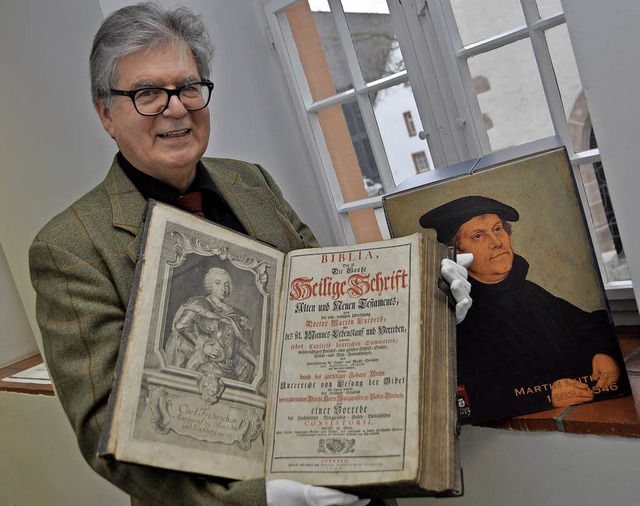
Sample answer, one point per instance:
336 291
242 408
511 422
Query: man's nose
175 108
495 240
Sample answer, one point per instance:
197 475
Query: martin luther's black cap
447 218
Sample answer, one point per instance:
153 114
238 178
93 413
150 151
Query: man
150 70
210 335
520 349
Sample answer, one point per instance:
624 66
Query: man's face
485 237
169 145
220 287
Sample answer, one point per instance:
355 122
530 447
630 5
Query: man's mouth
175 133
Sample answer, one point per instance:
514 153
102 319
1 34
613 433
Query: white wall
18 341
503 468
41 463
606 43
51 146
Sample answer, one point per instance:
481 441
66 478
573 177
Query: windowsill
25 388
615 417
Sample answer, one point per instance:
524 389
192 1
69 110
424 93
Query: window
408 121
349 80
468 77
420 161
522 52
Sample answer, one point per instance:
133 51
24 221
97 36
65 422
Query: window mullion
445 128
347 43
375 139
407 26
585 157
363 98
450 42
320 158
547 74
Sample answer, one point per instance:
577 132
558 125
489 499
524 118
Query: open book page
345 407
192 378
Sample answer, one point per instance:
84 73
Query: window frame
417 157
409 123
447 104
457 54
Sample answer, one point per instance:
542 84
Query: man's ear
104 113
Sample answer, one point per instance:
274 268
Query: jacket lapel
128 207
232 188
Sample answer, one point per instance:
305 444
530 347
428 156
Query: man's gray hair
141 26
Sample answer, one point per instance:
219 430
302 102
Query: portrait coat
82 266
201 324
518 338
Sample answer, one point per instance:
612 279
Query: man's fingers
575 384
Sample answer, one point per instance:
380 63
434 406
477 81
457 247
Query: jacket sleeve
81 317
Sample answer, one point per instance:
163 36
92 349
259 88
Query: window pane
375 43
604 222
350 150
567 77
320 50
548 7
478 20
512 100
351 156
392 106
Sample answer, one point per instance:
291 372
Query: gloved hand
455 273
293 493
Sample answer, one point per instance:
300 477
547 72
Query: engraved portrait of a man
211 336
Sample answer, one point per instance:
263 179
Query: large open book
331 366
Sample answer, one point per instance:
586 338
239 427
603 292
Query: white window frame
434 108
436 65
457 54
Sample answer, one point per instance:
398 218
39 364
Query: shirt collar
152 188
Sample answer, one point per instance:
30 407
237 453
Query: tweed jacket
82 265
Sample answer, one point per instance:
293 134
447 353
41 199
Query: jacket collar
232 188
128 206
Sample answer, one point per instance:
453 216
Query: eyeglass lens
155 100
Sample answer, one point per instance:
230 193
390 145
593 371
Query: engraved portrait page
195 380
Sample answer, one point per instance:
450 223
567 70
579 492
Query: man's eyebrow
148 83
482 228
144 84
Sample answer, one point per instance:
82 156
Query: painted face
220 287
485 237
169 145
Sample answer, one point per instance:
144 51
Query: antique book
331 366
538 335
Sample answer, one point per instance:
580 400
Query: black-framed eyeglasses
154 101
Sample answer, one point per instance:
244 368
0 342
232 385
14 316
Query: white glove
293 493
455 273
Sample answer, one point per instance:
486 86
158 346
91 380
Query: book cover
538 334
